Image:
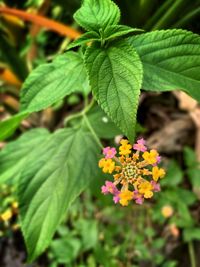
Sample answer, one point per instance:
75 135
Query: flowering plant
109 70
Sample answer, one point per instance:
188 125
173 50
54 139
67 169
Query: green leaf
97 14
8 127
55 174
194 177
65 250
14 155
115 31
115 74
50 82
191 234
174 175
190 157
84 39
184 218
88 230
102 124
171 60
170 264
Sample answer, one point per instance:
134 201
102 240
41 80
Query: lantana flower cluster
135 172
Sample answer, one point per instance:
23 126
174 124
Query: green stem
79 114
169 16
83 114
92 131
192 254
71 117
187 18
159 13
89 106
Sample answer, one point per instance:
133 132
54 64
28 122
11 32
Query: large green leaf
8 127
55 174
14 155
171 60
97 14
50 82
115 74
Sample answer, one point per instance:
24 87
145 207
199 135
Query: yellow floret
150 157
101 163
125 148
107 165
157 173
6 216
124 142
145 188
125 197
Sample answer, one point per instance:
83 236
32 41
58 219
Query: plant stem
169 16
182 22
192 254
79 114
71 117
92 131
89 106
158 14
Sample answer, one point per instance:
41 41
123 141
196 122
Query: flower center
130 171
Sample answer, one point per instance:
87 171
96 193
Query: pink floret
116 198
156 186
139 200
141 141
140 145
104 190
158 161
109 152
109 187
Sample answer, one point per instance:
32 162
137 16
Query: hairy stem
92 131
79 114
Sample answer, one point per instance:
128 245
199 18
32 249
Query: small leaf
115 31
174 175
55 174
50 82
115 74
84 39
194 177
191 234
14 155
65 250
171 60
8 127
89 232
190 157
97 14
